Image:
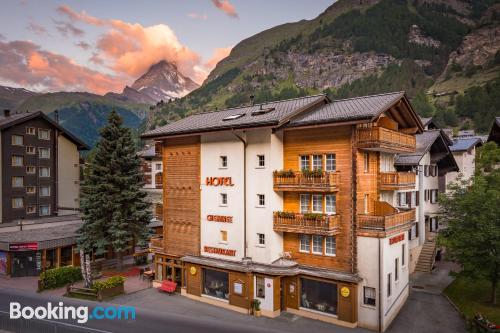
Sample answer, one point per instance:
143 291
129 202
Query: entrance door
291 293
24 264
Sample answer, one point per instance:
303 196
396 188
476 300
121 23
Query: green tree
472 210
114 207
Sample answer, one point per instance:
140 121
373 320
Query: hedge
112 282
58 277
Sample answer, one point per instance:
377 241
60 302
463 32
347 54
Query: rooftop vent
262 110
233 117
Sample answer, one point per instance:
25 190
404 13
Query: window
17 202
365 203
318 296
30 130
223 236
17 140
305 243
30 169
261 239
44 172
261 161
44 152
304 162
369 297
331 204
403 255
261 200
304 203
331 164
17 160
223 199
30 150
44 210
434 194
45 191
317 244
396 269
330 246
43 134
402 199
260 287
17 181
413 232
158 166
317 203
317 162
30 209
367 162
31 189
223 161
389 284
216 283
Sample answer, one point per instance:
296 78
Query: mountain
163 81
438 51
10 97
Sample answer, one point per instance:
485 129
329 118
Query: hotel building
291 203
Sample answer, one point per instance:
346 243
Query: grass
473 296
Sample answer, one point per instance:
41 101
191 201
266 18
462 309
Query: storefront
169 268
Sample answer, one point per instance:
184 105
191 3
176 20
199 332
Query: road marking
65 324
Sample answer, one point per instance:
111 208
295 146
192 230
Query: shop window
305 243
260 286
318 296
331 163
17 140
369 296
261 161
304 162
330 246
216 283
317 162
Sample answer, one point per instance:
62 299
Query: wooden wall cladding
194 281
324 140
181 196
367 181
243 301
276 293
292 292
347 306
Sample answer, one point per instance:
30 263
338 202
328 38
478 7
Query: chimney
56 116
251 99
6 113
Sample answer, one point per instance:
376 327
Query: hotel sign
220 218
396 239
23 246
217 250
219 181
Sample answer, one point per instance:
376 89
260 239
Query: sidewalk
436 281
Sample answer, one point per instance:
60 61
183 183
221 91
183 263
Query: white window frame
332 160
15 200
328 210
317 162
315 244
34 170
260 280
30 130
33 211
17 136
41 194
261 200
40 149
261 161
30 150
30 187
40 172
317 198
303 159
43 130
261 240
304 243
158 167
305 198
333 241
223 200
373 291
40 210
21 158
13 184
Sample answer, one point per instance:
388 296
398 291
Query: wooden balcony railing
311 181
386 222
384 139
318 224
156 243
397 180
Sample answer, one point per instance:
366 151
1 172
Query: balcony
386 140
310 181
391 181
318 224
156 243
385 218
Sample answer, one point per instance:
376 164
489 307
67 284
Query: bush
112 282
286 215
284 173
313 216
58 277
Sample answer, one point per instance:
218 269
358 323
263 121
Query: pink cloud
37 29
218 55
27 64
198 16
226 7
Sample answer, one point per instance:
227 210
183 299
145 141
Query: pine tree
114 207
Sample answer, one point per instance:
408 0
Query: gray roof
424 143
357 108
425 121
464 144
212 121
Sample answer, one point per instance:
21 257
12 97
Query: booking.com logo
63 312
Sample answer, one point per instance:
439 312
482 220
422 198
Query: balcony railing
311 181
397 180
384 139
318 224
385 222
156 243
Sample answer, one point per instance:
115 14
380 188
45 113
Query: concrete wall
68 175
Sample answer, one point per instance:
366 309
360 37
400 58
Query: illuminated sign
220 218
219 181
217 250
23 246
396 239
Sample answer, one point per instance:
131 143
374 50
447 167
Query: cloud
67 28
198 16
95 59
37 29
83 45
226 7
27 64
218 55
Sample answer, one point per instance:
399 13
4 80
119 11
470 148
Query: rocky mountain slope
427 47
11 98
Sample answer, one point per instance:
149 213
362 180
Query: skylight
233 117
262 110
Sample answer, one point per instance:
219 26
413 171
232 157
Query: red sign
217 250
23 246
220 218
219 181
396 239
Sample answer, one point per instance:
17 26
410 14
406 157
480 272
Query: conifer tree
114 207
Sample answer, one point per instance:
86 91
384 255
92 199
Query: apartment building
152 168
40 174
464 152
284 202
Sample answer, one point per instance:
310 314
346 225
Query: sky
101 46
